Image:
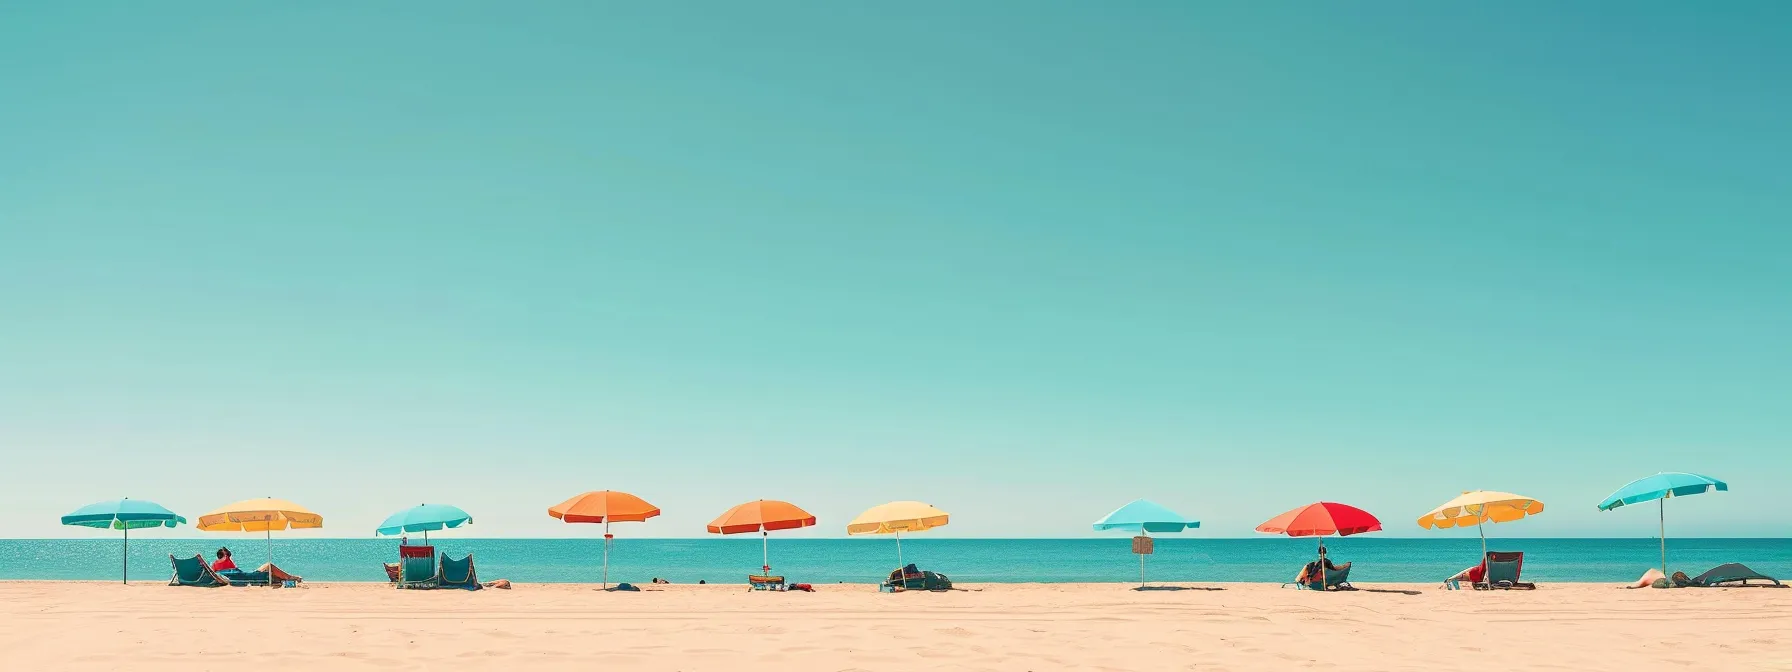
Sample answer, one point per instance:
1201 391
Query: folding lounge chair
417 567
1728 573
239 578
1334 579
1501 571
457 573
194 572
392 571
757 582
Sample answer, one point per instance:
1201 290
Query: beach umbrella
125 515
423 518
1143 517
604 506
1322 519
1659 488
761 516
1480 507
896 518
260 515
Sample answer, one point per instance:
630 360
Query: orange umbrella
604 506
762 516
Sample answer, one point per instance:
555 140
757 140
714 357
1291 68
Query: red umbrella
1319 520
1322 519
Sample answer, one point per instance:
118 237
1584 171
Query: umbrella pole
765 553
1662 516
1483 530
1322 577
606 553
899 564
127 554
1142 532
270 556
426 537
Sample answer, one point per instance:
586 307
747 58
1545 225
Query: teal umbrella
123 514
424 518
1144 517
1660 487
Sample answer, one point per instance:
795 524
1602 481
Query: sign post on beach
1142 546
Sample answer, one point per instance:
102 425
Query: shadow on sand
1157 588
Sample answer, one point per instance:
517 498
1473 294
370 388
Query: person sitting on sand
224 562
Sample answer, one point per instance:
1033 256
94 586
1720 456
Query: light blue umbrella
1143 517
424 518
123 514
1659 488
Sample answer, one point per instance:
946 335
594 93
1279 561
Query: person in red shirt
224 562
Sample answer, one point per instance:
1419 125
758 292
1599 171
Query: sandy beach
94 626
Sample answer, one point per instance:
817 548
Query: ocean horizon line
872 538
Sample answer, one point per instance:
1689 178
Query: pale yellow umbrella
260 515
896 518
1480 507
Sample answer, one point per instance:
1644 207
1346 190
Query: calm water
865 560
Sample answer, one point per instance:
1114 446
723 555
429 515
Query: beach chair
417 567
240 578
1333 579
1734 573
757 582
392 571
194 572
457 573
1501 570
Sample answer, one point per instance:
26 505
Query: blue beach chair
194 572
457 573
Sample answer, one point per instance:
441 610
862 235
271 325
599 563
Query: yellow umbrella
896 518
260 515
1480 507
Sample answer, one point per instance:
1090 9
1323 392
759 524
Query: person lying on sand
1648 579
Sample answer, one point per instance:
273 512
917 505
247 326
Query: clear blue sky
1023 260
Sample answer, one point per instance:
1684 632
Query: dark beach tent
1728 573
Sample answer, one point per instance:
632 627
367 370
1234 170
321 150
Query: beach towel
1728 573
194 572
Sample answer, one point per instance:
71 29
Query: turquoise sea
865 560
